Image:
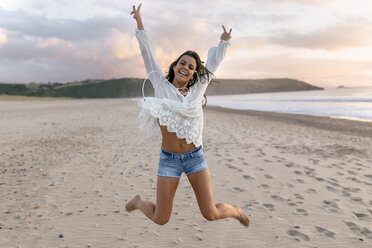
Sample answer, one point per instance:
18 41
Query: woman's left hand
226 35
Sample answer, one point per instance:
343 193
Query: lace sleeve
216 55
149 57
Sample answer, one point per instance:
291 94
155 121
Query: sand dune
67 168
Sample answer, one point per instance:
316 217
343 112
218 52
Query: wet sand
68 167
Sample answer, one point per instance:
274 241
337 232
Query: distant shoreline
338 123
355 126
298 114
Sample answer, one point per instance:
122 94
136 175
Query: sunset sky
323 42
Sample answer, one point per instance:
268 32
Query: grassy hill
131 87
247 86
113 88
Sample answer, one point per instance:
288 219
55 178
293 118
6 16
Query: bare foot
242 217
130 206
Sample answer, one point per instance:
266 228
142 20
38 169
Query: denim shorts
173 164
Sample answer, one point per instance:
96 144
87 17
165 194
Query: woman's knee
209 215
161 220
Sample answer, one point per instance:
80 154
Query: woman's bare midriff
173 144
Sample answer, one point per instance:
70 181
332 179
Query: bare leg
201 183
160 212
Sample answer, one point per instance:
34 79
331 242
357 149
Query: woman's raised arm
216 54
147 49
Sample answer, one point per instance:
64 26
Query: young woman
175 118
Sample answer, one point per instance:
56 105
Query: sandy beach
68 167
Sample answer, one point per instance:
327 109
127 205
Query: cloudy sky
323 42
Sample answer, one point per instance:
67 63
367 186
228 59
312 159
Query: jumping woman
174 118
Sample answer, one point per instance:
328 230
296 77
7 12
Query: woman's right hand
137 15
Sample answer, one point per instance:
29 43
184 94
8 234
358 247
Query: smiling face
184 70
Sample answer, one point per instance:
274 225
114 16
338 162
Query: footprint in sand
289 165
278 198
368 175
315 161
268 176
325 232
309 171
331 206
351 172
336 166
251 204
231 166
239 189
319 179
353 179
356 199
297 234
362 216
361 165
265 186
302 211
261 152
347 194
359 181
330 188
248 177
333 182
269 206
351 189
299 196
311 191
359 230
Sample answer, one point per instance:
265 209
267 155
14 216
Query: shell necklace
182 90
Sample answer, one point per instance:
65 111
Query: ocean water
349 103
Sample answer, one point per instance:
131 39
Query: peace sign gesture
226 35
136 12
137 15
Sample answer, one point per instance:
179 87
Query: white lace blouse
181 114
